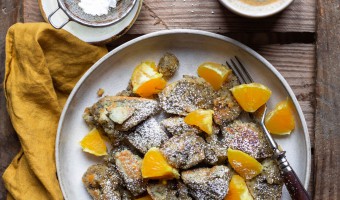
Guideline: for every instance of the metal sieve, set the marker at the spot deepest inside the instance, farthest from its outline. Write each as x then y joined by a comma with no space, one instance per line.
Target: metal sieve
72,12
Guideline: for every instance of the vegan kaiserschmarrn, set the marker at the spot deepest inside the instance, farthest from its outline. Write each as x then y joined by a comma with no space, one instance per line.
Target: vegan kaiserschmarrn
160,147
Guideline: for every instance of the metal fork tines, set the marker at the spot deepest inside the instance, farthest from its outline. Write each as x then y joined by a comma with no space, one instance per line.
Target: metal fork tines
292,182
245,78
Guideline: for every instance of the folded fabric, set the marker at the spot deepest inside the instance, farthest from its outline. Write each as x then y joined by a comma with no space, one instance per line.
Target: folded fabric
42,66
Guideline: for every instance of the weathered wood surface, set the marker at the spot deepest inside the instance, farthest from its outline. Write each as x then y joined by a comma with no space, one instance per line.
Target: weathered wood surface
327,126
206,15
295,61
9,144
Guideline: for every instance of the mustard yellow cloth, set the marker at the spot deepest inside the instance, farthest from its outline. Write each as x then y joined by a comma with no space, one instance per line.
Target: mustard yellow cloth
42,67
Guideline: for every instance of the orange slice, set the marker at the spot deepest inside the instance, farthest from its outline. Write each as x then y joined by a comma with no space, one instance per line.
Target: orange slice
201,118
213,73
147,197
281,120
245,165
93,143
238,189
146,81
155,166
251,96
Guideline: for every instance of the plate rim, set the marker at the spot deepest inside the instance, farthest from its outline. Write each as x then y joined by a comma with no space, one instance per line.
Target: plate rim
195,32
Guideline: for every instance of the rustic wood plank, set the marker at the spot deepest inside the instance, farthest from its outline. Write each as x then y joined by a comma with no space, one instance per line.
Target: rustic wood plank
299,17
212,16
327,126
9,143
250,39
31,11
207,15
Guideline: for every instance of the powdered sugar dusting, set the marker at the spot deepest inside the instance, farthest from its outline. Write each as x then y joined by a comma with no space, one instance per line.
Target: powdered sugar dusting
187,95
147,135
208,183
97,7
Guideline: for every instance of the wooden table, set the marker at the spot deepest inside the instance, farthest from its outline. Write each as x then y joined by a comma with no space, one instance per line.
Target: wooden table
303,43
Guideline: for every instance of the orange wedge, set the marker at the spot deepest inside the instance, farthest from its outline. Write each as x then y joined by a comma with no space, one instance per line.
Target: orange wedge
213,73
147,197
201,118
155,166
245,165
146,80
93,143
251,96
238,189
281,120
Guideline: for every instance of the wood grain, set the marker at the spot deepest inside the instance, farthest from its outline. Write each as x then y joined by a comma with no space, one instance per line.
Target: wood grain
207,15
296,62
327,126
31,11
9,143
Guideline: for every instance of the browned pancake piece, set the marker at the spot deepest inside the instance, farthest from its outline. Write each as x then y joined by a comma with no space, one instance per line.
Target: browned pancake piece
208,183
271,171
147,135
103,182
168,65
177,126
114,135
260,189
101,111
246,137
128,165
187,95
216,150
88,118
226,109
184,151
172,190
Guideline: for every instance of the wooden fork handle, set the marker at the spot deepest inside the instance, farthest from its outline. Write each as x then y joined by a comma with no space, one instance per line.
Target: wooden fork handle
294,186
291,180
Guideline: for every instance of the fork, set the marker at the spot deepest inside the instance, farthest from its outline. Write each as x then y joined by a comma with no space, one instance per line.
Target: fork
291,180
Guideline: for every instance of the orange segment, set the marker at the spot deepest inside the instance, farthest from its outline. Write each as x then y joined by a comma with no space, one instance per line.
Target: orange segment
281,120
251,96
202,119
147,197
238,189
213,73
146,81
93,143
150,87
245,165
155,166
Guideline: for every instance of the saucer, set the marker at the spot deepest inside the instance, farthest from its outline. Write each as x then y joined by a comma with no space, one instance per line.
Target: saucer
98,35
247,8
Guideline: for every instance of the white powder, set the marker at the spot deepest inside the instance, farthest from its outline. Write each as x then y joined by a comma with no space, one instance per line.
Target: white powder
97,7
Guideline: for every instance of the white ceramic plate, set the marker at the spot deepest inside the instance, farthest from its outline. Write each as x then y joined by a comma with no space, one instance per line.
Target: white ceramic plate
91,34
247,10
113,71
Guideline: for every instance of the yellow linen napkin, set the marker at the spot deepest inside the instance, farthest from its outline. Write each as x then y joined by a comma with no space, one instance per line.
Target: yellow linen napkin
42,66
